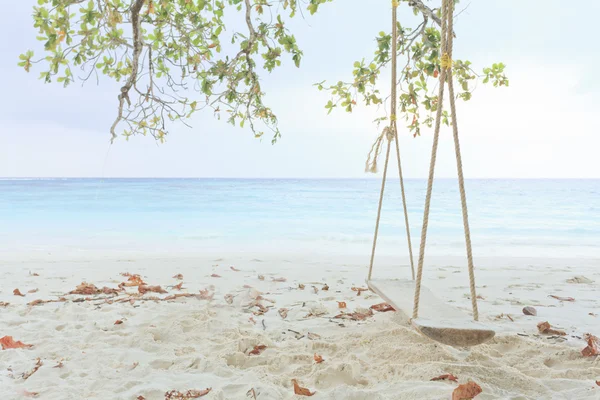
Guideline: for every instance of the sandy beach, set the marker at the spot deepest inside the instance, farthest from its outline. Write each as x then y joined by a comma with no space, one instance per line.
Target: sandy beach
205,341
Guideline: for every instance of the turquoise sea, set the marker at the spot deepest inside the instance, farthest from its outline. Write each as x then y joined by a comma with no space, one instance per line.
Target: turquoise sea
536,218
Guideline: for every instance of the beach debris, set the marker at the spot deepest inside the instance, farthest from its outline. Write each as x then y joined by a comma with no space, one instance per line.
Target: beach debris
313,336
134,365
257,350
382,307
37,366
264,325
318,358
33,290
297,334
301,286
529,311
252,393
178,276
206,295
591,314
315,289
34,274
466,391
545,327
190,394
142,289
7,342
359,290
355,316
17,292
228,298
4,304
444,377
140,397
300,390
251,319
593,346
215,276
60,364
325,288
342,304
133,280
234,269
27,393
562,298
118,322
579,279
279,279
283,313
598,383
261,278
179,286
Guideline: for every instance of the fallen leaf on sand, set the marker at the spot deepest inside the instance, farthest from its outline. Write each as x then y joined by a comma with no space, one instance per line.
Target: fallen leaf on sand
382,307
17,292
355,316
279,279
206,295
325,288
234,269
257,350
34,274
251,319
33,291
545,327
7,342
466,391
593,347
4,304
59,365
140,398
359,290
529,311
134,280
562,298
283,312
300,390
37,366
444,377
190,394
229,298
118,322
147,288
318,358
341,304
301,286
179,286
215,276
261,277
178,276
27,393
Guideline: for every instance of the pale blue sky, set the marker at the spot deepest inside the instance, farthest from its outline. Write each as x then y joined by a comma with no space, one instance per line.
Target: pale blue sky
543,125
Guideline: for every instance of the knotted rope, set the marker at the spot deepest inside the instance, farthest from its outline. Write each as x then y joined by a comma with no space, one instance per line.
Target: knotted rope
446,77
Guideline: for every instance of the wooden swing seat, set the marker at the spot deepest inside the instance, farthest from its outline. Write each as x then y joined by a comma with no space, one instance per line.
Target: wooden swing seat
444,323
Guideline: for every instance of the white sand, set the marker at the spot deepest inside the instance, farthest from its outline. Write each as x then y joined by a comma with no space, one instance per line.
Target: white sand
194,344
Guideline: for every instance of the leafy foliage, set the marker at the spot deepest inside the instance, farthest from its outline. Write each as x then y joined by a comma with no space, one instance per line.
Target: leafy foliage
173,59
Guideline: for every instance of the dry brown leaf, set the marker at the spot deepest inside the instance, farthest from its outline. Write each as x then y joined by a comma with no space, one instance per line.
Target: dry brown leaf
140,398
118,322
59,365
562,298
598,383
355,316
257,350
382,307
36,302
7,342
251,319
593,347
300,390
359,290
229,298
234,269
466,391
178,286
279,279
37,366
107,290
17,292
283,312
134,280
27,393
34,274
325,288
444,377
4,304
215,276
33,290
190,394
261,277
318,358
545,327
342,304
178,276
206,295
142,289
301,286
